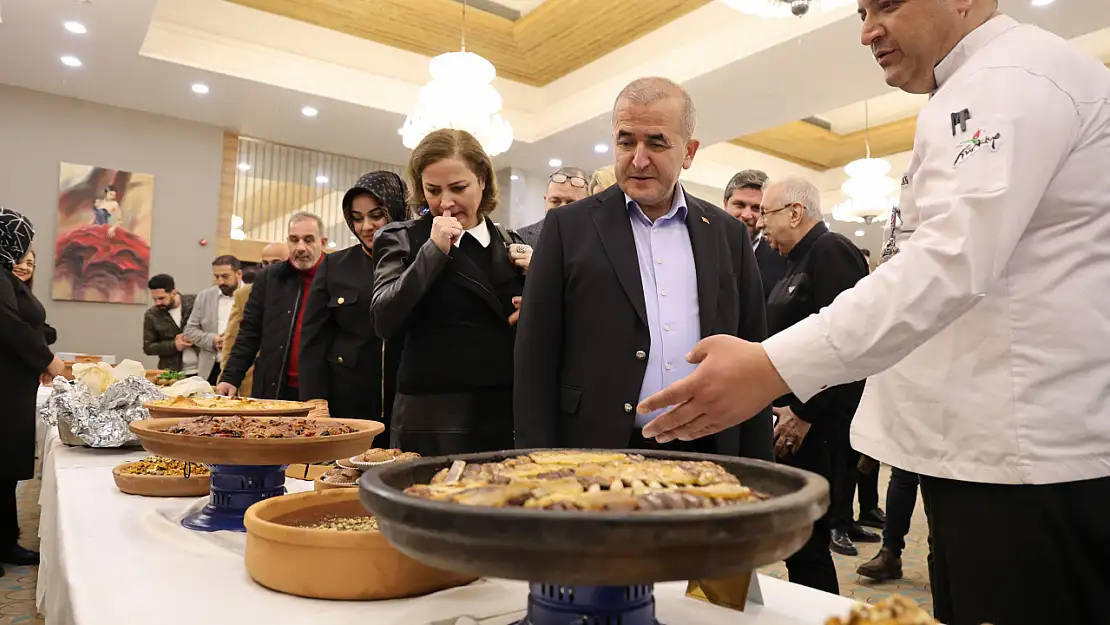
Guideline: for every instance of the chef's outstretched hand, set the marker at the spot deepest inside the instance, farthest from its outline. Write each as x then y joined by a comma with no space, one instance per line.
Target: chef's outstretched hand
733,381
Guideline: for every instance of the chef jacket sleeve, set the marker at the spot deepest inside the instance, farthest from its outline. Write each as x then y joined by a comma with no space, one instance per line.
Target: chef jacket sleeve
973,211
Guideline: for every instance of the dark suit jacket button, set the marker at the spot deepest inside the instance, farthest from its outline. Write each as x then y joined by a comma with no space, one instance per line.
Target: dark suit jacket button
641,355
339,301
339,360
628,408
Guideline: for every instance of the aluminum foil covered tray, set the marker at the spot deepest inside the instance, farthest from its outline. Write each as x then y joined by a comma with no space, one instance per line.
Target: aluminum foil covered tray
597,548
99,421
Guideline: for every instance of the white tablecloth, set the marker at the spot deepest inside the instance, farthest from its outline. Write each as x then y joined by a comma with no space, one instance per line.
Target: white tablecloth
115,559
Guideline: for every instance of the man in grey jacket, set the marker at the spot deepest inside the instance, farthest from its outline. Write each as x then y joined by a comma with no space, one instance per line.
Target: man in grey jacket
565,186
211,311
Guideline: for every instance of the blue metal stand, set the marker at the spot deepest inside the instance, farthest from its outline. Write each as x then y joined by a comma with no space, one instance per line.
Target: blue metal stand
552,604
234,489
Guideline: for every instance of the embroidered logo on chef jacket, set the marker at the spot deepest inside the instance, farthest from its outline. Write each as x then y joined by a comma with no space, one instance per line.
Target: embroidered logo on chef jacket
972,145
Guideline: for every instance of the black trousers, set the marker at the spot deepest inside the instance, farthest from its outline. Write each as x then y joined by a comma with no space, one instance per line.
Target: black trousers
867,487
214,375
9,520
812,565
1019,555
901,499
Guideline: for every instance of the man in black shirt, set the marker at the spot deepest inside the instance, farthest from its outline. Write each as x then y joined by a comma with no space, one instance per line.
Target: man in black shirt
813,435
743,197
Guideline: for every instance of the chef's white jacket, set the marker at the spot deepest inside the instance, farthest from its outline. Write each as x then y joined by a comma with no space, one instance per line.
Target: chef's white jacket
991,325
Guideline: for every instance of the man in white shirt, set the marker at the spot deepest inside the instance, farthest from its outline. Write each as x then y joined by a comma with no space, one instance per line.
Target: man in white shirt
211,312
987,325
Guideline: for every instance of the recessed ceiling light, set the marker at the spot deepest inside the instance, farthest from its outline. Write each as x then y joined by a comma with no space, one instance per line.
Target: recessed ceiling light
601,148
555,162
514,177
860,233
76,28
244,167
308,111
200,88
1042,3
71,61
322,179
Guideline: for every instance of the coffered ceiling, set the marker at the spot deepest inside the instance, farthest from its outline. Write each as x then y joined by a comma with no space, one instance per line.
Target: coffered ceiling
550,40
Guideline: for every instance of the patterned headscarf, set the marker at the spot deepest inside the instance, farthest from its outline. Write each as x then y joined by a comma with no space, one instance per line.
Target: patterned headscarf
16,234
388,190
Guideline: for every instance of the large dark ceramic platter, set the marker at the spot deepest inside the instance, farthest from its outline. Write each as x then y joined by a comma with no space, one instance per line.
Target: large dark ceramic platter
597,548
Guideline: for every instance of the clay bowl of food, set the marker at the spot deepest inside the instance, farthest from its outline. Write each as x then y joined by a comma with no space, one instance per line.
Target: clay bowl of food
255,440
223,406
324,545
162,477
594,517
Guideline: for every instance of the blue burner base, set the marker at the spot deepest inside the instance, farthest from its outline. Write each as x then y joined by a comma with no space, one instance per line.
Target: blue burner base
552,604
234,489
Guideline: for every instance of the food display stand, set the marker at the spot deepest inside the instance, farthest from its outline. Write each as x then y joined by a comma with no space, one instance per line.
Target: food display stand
597,567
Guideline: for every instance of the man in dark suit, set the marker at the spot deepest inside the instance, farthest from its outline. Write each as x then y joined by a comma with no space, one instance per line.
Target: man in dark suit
624,283
566,186
743,199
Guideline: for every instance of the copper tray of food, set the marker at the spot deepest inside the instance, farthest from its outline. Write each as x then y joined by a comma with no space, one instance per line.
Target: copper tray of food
162,477
665,516
255,440
197,406
324,545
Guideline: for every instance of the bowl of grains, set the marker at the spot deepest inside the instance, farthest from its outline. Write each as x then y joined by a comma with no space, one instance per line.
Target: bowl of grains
155,476
324,545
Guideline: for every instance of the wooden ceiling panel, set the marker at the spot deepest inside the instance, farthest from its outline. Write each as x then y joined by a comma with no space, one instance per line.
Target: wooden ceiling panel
812,146
548,43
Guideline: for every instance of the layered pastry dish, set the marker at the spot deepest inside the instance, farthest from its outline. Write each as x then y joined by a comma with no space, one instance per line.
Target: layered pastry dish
257,427
157,465
587,480
893,610
225,403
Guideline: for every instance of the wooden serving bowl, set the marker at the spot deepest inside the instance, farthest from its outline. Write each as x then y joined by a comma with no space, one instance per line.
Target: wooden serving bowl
320,484
161,485
326,564
255,451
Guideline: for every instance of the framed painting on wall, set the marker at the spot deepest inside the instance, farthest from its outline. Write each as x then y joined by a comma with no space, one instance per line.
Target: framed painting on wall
102,241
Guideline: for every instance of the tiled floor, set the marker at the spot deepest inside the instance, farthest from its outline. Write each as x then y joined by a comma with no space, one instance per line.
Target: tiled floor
915,581
17,587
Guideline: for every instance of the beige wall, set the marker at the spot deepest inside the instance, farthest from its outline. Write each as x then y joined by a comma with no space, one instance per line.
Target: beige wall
37,131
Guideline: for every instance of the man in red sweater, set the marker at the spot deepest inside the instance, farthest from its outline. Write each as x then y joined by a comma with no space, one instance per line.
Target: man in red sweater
272,317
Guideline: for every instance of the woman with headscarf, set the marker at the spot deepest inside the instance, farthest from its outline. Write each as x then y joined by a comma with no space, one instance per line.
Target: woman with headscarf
341,359
25,361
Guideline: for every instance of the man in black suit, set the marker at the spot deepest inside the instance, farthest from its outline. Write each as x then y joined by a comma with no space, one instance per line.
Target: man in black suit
624,283
743,199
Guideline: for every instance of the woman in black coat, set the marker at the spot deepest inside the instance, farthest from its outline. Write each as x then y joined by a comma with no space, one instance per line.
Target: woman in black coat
25,360
447,285
341,359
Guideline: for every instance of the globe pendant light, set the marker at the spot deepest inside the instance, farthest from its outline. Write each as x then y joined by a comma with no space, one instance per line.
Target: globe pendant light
869,189
460,95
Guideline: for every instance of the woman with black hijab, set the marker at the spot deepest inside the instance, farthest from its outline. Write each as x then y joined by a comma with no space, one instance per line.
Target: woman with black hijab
25,360
341,359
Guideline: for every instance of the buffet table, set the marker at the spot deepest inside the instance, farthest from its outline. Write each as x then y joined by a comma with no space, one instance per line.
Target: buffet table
115,559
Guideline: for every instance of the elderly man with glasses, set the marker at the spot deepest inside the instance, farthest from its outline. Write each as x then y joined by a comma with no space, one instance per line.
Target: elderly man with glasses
565,186
813,435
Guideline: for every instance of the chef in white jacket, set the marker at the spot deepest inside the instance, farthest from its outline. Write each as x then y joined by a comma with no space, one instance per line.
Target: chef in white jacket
986,334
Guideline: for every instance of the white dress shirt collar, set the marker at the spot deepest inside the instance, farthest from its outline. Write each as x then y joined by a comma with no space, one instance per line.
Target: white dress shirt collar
479,232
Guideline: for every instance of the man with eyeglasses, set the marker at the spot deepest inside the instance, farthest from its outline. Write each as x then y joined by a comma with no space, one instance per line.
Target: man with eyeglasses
565,186
272,254
743,197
